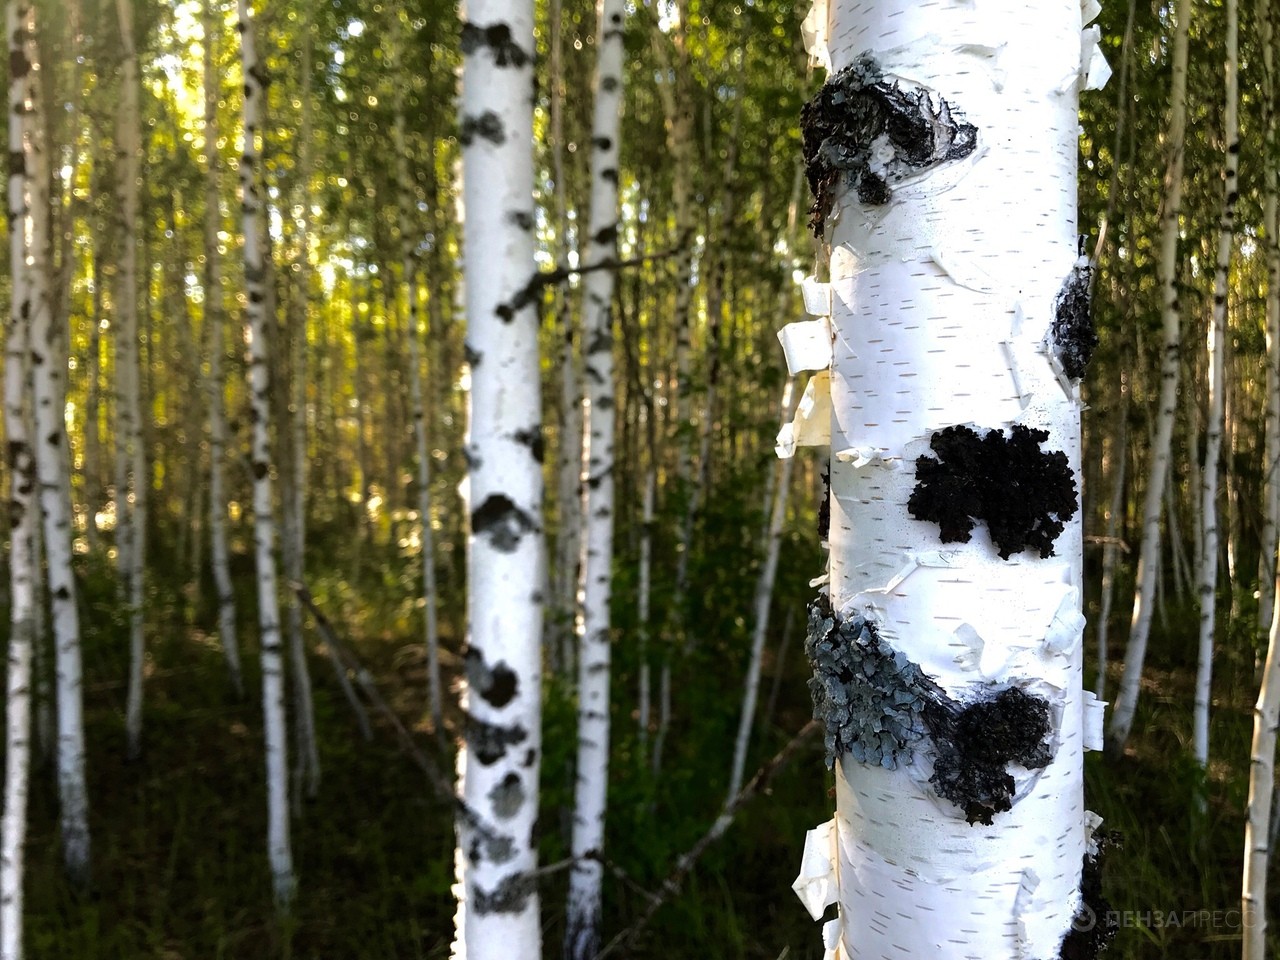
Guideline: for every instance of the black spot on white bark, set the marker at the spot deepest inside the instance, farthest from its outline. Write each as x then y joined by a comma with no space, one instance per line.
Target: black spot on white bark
502,522
507,796
497,37
497,685
1024,494
1072,333
531,437
486,126
488,742
1095,924
509,896
865,132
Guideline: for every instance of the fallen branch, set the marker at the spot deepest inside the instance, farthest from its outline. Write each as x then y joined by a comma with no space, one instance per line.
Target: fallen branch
671,885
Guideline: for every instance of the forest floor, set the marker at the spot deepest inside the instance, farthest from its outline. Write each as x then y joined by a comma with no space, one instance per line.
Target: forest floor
179,868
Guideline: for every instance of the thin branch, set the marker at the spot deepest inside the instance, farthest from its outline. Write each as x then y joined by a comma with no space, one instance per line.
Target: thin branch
671,885
532,290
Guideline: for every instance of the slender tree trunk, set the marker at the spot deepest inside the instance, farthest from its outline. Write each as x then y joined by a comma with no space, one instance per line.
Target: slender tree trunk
498,764
1111,544
214,323
943,848
409,269
1215,350
23,508
1271,247
49,371
764,600
279,851
307,772
582,935
1140,628
1262,759
129,151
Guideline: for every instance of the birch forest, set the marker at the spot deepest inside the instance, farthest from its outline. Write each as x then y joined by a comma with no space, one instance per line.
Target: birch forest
641,478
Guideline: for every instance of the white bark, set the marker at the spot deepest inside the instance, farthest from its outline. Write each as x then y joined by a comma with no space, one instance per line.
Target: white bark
1216,349
498,764
24,568
1262,759
217,345
128,157
645,699
294,483
1140,628
1111,546
764,600
582,935
49,371
408,260
279,851
944,300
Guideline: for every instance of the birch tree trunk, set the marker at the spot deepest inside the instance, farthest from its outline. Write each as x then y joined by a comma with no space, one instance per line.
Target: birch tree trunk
24,511
279,851
129,151
1148,554
582,934
1215,349
498,764
48,371
217,345
1271,246
1262,761
409,264
947,650
764,600
306,772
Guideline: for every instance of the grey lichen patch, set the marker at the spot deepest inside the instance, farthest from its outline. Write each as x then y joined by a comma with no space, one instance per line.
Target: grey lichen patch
866,133
502,521
497,684
507,796
509,896
870,697
881,708
1071,332
497,37
486,126
974,745
488,742
1025,495
496,847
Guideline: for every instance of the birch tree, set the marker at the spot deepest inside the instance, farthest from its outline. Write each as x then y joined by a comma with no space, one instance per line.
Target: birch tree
408,267
279,850
1258,811
1271,246
498,764
24,566
131,497
217,345
48,361
1215,349
1149,552
947,642
582,935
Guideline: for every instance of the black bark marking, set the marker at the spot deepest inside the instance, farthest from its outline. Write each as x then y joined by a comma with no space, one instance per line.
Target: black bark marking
824,505
497,684
532,438
1072,333
858,113
881,709
1024,494
489,741
260,470
522,219
497,37
503,521
601,143
472,355
507,796
976,743
1095,925
509,896
606,236
487,126
608,84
